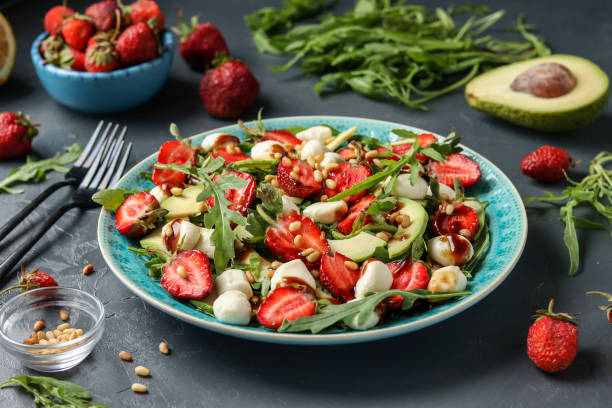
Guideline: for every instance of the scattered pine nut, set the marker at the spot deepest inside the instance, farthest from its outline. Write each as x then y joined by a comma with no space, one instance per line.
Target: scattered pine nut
182,272
63,326
323,198
450,209
43,342
330,183
202,206
324,173
311,161
298,240
319,158
371,154
286,161
351,265
125,356
56,332
295,176
307,251
268,177
274,183
163,348
318,176
406,221
139,388
63,314
142,371
53,341
331,166
464,232
39,325
384,235
88,269
378,163
278,155
313,257
293,227
270,273
276,264
254,300
315,273
329,140
249,276
50,335
176,191
41,336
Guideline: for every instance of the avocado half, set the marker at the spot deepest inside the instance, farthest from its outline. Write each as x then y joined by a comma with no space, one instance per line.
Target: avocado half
491,93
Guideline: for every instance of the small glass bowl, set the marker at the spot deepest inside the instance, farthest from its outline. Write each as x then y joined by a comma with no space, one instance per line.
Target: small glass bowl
19,314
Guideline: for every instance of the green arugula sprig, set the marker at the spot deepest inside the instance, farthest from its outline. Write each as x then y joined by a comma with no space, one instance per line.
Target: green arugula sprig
36,170
155,263
220,217
265,213
111,199
594,189
52,393
332,314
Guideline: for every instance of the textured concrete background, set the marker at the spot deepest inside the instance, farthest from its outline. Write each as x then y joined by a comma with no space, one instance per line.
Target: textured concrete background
474,359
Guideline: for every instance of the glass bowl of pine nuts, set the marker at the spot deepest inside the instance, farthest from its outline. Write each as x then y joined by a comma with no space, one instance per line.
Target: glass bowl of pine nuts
51,329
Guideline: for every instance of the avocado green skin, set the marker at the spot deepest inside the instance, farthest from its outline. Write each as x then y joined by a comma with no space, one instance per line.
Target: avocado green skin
562,121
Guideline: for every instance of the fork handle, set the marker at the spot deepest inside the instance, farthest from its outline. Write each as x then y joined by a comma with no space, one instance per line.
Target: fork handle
21,215
9,263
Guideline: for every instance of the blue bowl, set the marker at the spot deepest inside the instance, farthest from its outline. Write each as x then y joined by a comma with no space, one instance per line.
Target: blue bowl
105,92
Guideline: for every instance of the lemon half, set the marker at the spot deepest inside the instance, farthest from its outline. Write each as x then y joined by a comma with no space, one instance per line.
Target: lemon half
8,49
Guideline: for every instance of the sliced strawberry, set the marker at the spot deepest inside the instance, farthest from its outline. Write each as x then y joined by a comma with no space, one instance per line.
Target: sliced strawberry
456,166
285,303
348,154
242,198
137,215
282,136
188,276
425,140
346,176
281,240
173,152
230,157
346,226
407,275
463,221
338,278
305,186
383,155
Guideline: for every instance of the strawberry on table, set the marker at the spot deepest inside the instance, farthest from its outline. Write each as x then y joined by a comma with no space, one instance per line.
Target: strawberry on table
103,14
296,178
200,43
229,89
188,275
173,152
407,275
282,240
339,274
144,11
552,341
16,133
463,221
346,226
76,31
242,198
547,163
55,17
136,44
456,165
138,215
285,303
101,57
31,280
345,177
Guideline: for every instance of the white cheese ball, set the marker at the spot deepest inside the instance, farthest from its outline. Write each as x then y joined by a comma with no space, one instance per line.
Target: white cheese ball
187,234
233,279
232,307
447,279
326,212
205,244
450,249
404,188
376,277
371,321
159,194
289,205
293,271
446,193
320,133
313,148
331,157
265,150
210,141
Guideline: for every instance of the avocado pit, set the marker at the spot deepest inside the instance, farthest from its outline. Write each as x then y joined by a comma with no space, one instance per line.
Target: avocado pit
547,80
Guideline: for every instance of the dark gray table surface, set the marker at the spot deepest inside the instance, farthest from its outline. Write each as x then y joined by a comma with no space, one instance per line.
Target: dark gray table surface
474,359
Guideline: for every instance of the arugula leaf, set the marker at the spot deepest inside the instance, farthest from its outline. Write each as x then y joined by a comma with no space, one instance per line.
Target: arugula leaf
155,263
270,198
111,199
203,307
34,171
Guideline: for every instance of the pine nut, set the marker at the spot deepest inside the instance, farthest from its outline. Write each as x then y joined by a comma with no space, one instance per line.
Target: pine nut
371,154
354,161
53,341
286,161
393,217
29,342
163,348
298,240
351,265
331,166
293,227
270,273
249,276
269,177
176,191
274,183
276,264
318,176
50,335
406,221
73,336
278,155
311,161
56,332
39,325
79,332
63,326
88,269
314,273
142,371
62,338
450,209
139,388
314,257
288,146
33,336
203,207
323,198
307,252
464,232
378,163
296,169
330,183
319,158
322,235
384,235
41,336
182,272
63,314
43,342
295,176
125,356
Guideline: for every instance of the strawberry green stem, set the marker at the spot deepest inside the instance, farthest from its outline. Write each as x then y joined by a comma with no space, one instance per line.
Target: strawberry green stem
604,294
12,287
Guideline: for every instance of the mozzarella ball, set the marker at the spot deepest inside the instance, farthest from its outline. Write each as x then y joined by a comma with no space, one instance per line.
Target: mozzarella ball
352,321
320,133
186,235
326,212
205,244
447,279
331,157
159,194
265,150
446,193
289,206
313,148
233,279
232,307
293,272
376,277
404,188
210,141
450,249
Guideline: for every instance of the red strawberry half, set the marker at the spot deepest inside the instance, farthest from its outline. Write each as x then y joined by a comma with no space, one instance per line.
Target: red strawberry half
173,152
138,215
230,157
188,276
345,177
282,242
242,198
304,186
338,278
463,221
456,166
407,275
346,226
285,303
55,17
548,163
282,136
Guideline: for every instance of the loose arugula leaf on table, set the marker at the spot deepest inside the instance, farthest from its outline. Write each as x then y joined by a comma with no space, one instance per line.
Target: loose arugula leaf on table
594,189
332,314
36,170
52,393
111,199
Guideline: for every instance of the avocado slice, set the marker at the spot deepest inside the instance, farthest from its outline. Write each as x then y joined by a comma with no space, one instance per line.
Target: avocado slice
358,248
153,241
183,205
404,237
479,208
492,93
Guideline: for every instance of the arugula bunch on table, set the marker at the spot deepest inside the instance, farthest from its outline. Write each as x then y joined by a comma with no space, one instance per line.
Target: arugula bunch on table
390,50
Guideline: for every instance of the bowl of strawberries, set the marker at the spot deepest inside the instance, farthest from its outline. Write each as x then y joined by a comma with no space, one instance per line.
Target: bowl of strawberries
109,59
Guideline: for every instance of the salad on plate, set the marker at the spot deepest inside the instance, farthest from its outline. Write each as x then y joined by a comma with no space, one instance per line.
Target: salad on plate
307,229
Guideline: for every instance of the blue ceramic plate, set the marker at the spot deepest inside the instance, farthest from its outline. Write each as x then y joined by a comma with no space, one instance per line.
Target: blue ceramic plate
507,224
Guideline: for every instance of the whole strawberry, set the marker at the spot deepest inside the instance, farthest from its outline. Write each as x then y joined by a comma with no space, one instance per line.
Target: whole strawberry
102,14
144,11
136,44
16,133
76,32
200,43
548,163
50,49
552,341
101,57
55,17
32,280
72,59
229,89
